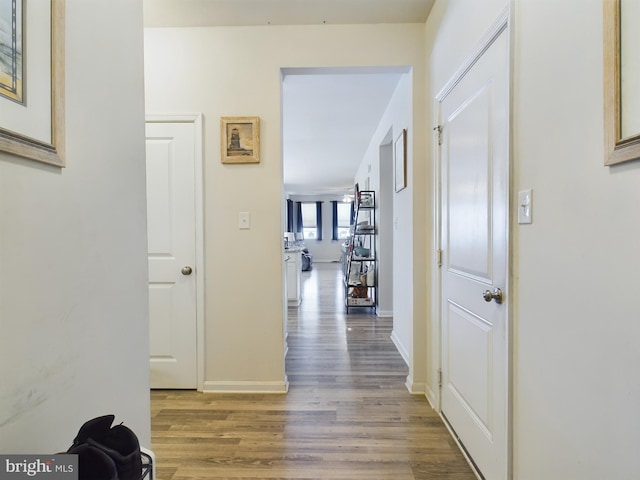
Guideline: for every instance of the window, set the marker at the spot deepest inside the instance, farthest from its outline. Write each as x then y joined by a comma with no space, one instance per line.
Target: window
312,220
342,213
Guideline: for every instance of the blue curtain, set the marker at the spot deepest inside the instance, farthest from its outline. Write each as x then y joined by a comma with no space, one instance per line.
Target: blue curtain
289,215
319,219
298,217
334,221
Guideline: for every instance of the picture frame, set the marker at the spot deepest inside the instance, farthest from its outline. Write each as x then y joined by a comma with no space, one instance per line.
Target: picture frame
33,127
400,161
622,137
240,140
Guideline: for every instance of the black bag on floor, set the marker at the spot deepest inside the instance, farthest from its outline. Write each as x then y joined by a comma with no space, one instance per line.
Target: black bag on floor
106,452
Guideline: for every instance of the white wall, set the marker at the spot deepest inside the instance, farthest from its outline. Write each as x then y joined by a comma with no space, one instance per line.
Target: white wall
397,117
574,298
237,71
588,253
73,268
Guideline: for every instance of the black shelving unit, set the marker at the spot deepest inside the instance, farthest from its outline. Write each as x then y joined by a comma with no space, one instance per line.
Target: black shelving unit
359,268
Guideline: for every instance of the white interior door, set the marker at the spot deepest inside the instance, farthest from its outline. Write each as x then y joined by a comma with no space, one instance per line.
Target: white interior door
475,173
171,225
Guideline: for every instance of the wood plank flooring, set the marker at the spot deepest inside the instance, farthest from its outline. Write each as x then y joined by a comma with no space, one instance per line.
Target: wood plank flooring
347,415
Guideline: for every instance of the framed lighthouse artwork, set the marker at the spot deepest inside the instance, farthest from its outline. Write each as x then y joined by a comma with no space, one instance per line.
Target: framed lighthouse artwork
240,139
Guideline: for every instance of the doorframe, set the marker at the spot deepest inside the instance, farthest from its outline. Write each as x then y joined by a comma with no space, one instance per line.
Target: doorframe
385,238
502,24
198,191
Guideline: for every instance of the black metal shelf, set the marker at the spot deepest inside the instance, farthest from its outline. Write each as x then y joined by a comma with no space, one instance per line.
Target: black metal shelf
358,293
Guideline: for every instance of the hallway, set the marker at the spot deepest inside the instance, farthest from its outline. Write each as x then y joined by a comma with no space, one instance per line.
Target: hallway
347,415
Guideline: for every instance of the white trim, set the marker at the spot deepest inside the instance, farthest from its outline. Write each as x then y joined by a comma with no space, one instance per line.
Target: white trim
246,387
501,23
384,313
196,119
461,447
401,350
433,390
432,397
414,387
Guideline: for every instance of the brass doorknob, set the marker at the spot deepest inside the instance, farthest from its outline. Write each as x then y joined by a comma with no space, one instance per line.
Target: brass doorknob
187,270
495,295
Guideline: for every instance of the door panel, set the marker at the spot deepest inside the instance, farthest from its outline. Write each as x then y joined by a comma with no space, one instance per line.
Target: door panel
469,379
171,246
475,159
469,233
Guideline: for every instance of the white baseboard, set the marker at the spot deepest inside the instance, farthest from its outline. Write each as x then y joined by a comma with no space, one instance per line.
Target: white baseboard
403,352
414,387
384,313
432,398
246,387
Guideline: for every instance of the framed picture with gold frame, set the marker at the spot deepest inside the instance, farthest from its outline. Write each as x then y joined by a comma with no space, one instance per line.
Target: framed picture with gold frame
621,77
32,83
240,139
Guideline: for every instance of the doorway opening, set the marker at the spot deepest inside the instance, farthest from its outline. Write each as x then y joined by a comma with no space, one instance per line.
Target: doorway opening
338,129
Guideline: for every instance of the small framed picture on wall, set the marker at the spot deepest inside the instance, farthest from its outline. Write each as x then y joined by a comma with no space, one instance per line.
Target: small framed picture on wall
400,159
240,140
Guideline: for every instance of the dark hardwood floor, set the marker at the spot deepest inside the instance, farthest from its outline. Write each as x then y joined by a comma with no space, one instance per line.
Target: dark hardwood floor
348,414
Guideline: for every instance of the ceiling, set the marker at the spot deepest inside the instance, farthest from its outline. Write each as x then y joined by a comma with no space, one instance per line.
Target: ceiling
200,13
329,115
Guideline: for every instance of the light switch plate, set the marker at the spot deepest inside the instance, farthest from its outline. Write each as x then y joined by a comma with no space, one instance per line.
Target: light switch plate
244,221
525,205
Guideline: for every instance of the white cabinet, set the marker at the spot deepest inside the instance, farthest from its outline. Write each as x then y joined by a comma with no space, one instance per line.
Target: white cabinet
294,270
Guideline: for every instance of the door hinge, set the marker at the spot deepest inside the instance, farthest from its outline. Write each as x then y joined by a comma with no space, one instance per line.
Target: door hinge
439,256
440,377
438,129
